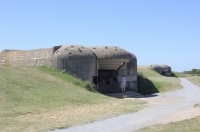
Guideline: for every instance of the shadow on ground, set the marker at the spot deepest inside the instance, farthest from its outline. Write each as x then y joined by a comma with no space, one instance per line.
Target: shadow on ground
145,86
130,94
146,89
172,75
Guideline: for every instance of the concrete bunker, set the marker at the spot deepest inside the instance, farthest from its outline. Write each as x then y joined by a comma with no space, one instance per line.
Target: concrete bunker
103,66
76,60
166,70
162,69
157,68
112,63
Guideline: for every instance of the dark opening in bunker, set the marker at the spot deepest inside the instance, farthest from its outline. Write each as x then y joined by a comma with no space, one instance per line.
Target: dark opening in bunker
107,81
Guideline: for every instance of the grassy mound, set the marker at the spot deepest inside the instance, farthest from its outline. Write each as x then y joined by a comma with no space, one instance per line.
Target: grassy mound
149,81
40,99
145,86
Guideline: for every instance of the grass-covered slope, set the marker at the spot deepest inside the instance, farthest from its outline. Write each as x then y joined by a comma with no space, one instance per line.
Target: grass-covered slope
39,99
194,79
157,82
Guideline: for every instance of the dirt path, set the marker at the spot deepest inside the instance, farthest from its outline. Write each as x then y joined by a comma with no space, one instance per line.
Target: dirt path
164,108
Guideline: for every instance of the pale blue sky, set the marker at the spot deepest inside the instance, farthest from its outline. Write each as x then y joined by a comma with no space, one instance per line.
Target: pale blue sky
156,31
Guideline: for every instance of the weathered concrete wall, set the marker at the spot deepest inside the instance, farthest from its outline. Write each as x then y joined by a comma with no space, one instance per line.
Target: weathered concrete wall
166,70
38,57
132,73
157,68
110,57
76,60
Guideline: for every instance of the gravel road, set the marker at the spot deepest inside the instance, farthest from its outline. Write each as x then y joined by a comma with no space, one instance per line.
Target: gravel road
164,108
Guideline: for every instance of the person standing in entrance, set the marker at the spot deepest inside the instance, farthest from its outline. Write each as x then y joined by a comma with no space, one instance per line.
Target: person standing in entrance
123,84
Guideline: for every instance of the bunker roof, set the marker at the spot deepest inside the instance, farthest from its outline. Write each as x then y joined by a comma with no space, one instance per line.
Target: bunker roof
112,52
165,66
156,66
73,50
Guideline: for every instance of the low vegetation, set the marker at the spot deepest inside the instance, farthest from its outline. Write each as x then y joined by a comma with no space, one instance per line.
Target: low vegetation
181,75
193,72
194,79
149,81
196,105
40,99
192,76
190,125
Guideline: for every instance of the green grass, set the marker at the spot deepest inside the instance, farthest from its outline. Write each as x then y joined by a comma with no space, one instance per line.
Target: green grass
194,79
161,83
191,77
67,77
190,125
40,99
181,75
196,105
